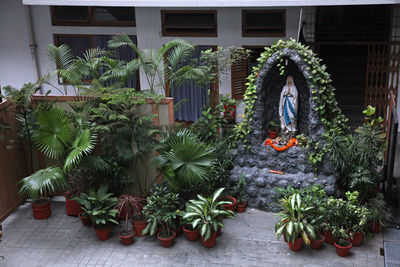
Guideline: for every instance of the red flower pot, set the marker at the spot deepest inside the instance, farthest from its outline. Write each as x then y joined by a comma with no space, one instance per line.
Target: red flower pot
72,207
317,244
103,233
328,237
229,199
166,241
241,206
342,251
209,243
192,235
138,225
41,209
85,220
375,227
297,245
179,230
126,239
272,133
357,239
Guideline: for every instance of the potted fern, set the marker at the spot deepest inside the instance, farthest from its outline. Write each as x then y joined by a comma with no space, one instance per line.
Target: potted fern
204,214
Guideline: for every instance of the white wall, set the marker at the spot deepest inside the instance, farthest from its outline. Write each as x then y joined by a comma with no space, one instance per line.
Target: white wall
15,60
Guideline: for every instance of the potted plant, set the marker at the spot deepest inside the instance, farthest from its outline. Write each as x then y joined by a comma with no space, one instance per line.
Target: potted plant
192,234
203,214
82,199
379,214
293,223
127,204
161,211
239,194
273,129
39,186
342,242
85,218
100,208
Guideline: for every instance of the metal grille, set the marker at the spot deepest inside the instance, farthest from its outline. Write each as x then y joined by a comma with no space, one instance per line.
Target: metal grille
392,254
391,234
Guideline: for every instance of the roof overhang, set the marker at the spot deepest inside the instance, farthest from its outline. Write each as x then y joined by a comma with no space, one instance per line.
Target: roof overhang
208,3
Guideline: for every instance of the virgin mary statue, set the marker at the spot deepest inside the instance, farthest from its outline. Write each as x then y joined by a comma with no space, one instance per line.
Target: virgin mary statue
288,108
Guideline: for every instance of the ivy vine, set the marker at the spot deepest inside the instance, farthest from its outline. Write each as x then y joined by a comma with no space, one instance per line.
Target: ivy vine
323,94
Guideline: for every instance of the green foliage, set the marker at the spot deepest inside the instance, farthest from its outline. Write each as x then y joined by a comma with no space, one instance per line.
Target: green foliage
378,210
203,213
43,183
184,161
293,222
161,210
99,206
358,157
322,92
239,189
341,237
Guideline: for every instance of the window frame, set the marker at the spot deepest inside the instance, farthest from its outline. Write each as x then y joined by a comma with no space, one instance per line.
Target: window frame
245,13
91,21
188,34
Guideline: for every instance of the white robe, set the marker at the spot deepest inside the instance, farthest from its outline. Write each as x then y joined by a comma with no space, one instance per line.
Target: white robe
292,126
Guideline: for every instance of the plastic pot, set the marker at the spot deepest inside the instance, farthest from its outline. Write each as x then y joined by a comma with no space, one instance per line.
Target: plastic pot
166,241
85,219
297,245
209,243
41,209
192,235
328,237
342,251
241,206
127,239
72,207
138,224
317,244
230,206
103,233
272,133
357,239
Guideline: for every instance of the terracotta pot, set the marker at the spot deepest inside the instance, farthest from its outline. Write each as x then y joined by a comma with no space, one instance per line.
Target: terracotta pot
166,241
85,219
230,199
328,237
357,239
72,207
192,235
272,133
317,244
103,233
126,239
209,243
297,245
241,206
375,227
179,230
342,251
41,209
138,225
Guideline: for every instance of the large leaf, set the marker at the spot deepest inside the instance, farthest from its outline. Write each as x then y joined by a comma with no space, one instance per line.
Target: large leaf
43,182
82,145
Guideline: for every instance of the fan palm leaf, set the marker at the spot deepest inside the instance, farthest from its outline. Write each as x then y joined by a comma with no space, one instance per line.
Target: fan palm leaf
54,133
83,144
43,182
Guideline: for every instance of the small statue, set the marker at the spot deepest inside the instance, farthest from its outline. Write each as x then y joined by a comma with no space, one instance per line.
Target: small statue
288,109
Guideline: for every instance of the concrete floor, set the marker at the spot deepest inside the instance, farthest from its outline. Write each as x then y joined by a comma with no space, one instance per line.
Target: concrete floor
248,240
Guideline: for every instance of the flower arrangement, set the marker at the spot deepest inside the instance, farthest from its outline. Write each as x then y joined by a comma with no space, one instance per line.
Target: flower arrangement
272,143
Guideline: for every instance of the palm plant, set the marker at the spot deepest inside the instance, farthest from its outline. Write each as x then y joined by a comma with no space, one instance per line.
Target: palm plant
154,63
293,222
184,160
204,213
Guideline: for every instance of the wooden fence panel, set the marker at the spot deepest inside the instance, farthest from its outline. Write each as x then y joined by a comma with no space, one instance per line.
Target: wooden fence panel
12,162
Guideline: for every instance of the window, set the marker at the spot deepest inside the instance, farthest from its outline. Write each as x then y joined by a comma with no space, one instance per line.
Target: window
189,23
242,69
92,16
79,43
263,23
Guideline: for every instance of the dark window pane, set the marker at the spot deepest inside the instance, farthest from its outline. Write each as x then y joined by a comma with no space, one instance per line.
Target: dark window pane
71,13
114,14
189,23
264,23
78,43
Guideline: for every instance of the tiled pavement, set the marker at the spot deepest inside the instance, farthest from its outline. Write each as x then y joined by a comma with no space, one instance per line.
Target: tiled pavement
248,240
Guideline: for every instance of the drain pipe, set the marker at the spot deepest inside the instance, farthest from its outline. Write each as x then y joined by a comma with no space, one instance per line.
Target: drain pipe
32,44
300,23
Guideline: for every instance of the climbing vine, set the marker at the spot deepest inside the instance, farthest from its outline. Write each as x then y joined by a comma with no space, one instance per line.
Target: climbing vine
323,94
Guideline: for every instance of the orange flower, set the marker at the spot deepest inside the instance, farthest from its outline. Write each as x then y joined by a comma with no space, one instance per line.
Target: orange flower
291,143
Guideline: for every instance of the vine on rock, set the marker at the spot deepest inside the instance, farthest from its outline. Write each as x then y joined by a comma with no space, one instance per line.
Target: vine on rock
323,94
